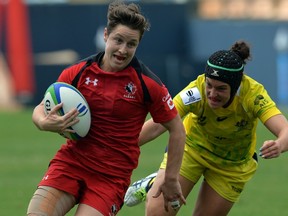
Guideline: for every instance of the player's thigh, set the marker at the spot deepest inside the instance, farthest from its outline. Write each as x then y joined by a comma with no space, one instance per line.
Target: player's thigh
50,201
86,210
155,206
210,203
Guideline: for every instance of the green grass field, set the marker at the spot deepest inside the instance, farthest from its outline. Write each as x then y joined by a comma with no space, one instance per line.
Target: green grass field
25,153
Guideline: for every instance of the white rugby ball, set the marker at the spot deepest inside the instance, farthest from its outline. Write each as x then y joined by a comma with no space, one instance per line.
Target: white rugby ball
72,98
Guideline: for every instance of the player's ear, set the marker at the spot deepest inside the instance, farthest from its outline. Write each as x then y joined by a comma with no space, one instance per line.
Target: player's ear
105,35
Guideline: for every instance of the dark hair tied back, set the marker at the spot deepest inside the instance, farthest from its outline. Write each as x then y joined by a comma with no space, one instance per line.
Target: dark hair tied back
242,49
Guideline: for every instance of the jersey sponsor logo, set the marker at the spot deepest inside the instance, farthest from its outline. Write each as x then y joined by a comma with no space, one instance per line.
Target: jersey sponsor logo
190,96
167,98
170,103
88,81
130,89
164,99
260,101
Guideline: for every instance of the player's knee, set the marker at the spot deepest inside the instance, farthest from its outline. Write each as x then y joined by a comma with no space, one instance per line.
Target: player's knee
38,205
48,201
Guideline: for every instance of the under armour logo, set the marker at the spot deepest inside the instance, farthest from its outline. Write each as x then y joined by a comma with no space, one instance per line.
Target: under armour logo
46,177
215,73
88,81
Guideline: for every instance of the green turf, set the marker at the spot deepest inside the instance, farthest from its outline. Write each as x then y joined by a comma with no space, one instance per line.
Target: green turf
25,153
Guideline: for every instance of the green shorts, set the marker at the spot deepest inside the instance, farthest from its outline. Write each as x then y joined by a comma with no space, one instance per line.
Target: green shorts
227,181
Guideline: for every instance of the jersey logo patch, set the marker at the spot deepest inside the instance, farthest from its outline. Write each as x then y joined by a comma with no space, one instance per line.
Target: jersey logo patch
190,96
130,89
88,81
169,101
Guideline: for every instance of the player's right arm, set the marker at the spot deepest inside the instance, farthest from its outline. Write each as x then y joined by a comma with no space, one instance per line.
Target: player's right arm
279,127
52,121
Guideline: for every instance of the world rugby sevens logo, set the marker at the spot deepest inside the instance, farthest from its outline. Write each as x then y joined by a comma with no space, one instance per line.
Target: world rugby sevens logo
82,109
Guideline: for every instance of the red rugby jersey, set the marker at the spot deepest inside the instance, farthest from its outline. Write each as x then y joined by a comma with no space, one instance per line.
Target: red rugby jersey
118,112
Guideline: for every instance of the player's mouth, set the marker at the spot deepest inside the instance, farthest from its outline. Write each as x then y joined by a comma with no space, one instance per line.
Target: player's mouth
214,102
120,59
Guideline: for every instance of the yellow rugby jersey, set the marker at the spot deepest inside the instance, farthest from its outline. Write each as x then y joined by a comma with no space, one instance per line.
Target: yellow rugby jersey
225,136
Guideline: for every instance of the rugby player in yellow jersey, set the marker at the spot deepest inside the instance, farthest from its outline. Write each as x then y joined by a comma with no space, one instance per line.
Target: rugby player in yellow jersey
220,111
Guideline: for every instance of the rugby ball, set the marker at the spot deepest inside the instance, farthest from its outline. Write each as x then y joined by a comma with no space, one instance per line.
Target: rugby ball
71,98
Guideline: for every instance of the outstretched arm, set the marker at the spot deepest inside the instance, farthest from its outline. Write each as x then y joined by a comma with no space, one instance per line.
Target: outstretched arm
170,188
278,125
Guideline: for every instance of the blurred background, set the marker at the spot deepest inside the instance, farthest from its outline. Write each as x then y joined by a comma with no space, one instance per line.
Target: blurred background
39,38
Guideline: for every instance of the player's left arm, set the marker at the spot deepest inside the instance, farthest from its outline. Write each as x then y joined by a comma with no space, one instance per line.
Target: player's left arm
171,188
278,125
